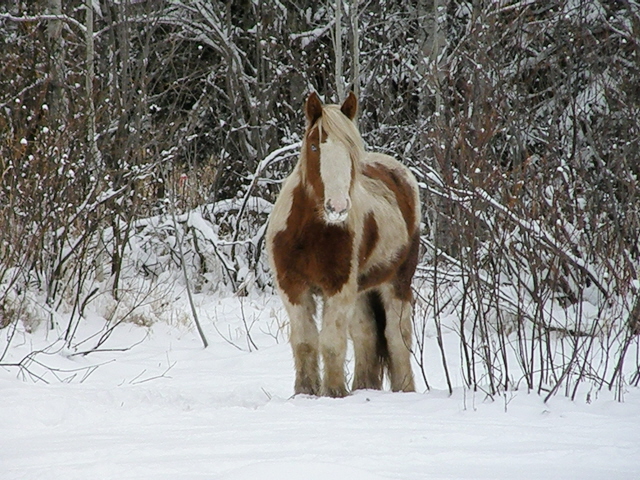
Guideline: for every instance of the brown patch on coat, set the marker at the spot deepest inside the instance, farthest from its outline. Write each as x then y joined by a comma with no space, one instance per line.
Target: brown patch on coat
400,187
382,272
312,160
376,275
404,274
370,237
399,271
310,254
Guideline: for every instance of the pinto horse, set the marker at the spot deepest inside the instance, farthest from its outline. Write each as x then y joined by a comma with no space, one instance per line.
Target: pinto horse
345,230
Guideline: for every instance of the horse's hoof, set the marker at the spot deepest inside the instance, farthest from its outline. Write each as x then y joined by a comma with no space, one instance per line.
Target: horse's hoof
307,388
336,392
367,383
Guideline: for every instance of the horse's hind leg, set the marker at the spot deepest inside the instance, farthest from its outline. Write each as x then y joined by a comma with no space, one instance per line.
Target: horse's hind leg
304,343
398,333
363,331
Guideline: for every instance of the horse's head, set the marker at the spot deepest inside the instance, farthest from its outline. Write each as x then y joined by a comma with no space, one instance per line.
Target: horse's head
332,148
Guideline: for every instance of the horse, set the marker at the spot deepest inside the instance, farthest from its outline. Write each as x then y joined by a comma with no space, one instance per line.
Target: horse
344,231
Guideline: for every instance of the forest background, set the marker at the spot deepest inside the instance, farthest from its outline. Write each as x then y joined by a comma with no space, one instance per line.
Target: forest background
142,143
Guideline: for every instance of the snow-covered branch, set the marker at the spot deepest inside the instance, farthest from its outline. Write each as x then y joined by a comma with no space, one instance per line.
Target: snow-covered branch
40,18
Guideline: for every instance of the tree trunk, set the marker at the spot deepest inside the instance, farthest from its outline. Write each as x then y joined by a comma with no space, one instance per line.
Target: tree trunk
338,52
437,46
93,152
355,51
58,99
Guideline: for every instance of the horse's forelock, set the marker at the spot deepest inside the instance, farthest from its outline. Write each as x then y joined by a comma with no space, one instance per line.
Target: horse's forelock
339,127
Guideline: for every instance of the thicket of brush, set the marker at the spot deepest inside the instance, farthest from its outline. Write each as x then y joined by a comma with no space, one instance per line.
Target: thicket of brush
132,128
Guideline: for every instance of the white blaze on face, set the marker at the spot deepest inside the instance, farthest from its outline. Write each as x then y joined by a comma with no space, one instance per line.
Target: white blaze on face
335,170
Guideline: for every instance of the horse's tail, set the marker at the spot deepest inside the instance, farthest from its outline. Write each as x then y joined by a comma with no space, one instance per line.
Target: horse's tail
380,320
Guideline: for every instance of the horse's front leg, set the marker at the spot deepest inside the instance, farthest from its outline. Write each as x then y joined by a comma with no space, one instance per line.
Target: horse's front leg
304,343
337,314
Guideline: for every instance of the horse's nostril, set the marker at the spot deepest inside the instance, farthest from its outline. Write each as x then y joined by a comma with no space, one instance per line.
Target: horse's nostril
340,207
329,208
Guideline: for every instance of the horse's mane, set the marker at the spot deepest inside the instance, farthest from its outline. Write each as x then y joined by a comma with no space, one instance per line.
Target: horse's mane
337,125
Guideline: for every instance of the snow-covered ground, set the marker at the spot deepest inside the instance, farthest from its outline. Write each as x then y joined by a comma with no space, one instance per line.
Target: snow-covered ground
168,409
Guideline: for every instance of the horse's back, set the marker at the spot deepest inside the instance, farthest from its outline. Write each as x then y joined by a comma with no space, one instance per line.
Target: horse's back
381,169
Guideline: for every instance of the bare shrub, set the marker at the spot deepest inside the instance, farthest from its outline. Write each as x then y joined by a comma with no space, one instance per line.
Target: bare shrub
534,194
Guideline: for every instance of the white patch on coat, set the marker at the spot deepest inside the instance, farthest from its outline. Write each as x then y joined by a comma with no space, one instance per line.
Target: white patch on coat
335,171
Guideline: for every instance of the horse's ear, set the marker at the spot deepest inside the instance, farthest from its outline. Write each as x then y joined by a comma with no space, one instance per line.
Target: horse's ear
350,106
313,108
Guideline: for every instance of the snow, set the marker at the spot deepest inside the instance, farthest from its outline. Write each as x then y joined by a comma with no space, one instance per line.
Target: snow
165,408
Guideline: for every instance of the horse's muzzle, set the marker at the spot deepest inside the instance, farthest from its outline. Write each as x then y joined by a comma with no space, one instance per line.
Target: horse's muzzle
337,211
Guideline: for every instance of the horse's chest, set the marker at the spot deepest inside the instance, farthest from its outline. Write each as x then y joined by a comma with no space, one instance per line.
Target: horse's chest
311,254
323,251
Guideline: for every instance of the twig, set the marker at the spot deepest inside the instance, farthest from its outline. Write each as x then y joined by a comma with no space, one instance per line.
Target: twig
184,273
247,328
274,156
135,380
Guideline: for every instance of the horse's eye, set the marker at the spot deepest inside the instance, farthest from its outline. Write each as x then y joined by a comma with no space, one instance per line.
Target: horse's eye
314,148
